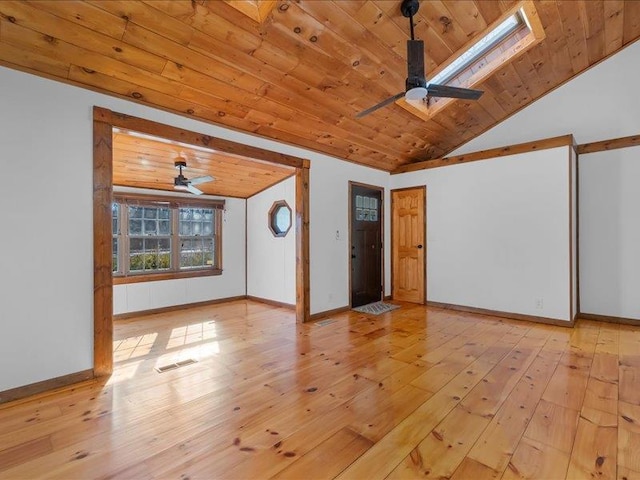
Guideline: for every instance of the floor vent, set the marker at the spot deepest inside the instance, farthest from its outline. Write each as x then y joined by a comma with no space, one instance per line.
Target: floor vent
322,323
173,366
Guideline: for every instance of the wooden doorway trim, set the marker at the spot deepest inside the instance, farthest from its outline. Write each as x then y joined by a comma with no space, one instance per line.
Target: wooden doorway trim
102,248
303,297
382,232
424,230
104,121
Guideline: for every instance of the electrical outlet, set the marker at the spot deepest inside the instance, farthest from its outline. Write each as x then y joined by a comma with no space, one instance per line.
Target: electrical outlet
539,303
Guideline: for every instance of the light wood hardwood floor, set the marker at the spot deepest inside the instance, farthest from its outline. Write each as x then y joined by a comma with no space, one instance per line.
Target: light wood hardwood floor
415,393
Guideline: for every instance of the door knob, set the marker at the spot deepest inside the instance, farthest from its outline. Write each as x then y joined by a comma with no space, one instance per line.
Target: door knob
419,246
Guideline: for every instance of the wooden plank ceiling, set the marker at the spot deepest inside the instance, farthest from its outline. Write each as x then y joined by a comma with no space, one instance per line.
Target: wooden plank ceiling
146,162
298,71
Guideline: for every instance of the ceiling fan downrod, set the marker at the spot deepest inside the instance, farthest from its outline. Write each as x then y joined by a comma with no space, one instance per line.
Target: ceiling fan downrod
409,8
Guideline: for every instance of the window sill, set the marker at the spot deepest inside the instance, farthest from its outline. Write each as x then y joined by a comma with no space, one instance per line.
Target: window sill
154,277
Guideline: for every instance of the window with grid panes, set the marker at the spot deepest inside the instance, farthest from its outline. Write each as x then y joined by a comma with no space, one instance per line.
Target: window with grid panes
165,236
197,239
149,230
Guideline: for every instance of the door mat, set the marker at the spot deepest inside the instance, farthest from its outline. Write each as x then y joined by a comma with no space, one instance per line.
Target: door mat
376,308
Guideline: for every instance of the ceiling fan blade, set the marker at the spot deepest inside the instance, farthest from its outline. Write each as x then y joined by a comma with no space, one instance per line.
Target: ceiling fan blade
415,60
197,180
194,190
380,105
453,92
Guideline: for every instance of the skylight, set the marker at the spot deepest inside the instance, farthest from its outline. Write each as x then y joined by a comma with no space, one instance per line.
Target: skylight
480,48
513,35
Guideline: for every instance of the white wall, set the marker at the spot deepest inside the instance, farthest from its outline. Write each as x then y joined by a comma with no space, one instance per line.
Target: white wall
271,261
498,233
46,249
329,213
134,297
46,266
610,233
599,104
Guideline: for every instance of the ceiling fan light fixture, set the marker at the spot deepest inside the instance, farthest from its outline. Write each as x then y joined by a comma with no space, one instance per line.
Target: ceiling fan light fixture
181,188
416,93
183,184
417,88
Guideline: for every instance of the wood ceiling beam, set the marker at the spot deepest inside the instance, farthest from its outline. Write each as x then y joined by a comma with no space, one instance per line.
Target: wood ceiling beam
486,154
185,136
612,144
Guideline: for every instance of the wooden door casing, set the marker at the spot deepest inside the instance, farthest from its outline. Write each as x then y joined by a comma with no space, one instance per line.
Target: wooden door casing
366,285
408,230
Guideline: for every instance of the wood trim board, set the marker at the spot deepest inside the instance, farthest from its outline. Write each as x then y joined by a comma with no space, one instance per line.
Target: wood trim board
488,154
46,386
329,313
608,319
176,134
611,144
497,313
173,308
303,299
273,303
102,248
155,277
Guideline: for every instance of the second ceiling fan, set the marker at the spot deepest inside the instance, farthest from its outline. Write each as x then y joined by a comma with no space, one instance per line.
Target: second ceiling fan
417,87
183,183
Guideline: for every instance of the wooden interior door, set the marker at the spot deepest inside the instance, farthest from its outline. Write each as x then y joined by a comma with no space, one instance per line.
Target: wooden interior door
408,228
366,244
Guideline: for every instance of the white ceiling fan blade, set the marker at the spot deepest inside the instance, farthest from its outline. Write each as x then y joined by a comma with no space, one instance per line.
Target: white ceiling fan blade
193,189
197,180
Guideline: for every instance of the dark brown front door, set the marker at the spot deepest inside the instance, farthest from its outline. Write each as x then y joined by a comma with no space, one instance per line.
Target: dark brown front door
366,245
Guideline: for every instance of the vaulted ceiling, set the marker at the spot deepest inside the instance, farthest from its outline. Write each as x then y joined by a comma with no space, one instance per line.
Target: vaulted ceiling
299,71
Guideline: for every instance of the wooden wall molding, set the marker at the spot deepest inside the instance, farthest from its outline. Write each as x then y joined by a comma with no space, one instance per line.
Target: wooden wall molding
273,303
173,308
102,248
608,319
303,293
611,144
497,313
488,154
156,277
329,313
176,134
47,386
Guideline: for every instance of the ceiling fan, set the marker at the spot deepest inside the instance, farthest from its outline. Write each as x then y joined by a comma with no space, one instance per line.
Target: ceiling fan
183,183
417,87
